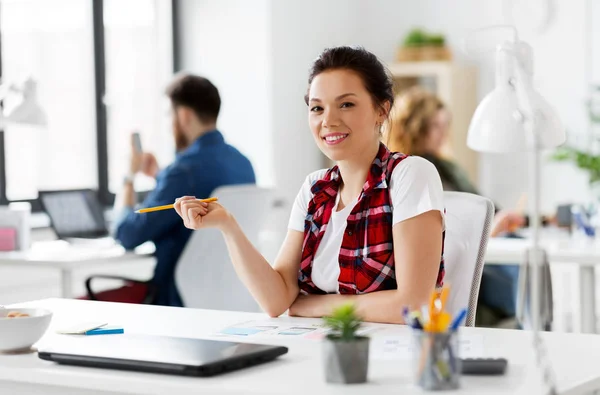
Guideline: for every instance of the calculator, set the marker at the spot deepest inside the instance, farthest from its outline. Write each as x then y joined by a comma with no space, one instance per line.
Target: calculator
483,366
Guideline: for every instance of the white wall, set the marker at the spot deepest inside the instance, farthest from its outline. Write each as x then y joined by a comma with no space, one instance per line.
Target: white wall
227,42
559,75
258,53
300,31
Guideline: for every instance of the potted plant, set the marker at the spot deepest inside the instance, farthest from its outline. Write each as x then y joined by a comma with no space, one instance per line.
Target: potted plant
346,355
419,45
591,164
584,160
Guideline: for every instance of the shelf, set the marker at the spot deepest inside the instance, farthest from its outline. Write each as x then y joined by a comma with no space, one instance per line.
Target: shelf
456,85
420,69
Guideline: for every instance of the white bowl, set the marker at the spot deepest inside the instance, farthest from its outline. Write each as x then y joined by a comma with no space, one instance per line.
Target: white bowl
22,332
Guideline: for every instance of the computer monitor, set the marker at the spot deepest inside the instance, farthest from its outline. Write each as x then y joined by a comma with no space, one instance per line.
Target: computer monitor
75,213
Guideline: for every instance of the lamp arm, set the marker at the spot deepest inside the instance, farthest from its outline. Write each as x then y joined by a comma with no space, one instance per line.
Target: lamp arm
523,87
531,272
474,47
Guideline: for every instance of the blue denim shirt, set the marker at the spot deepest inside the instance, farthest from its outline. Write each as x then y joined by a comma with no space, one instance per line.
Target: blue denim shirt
207,164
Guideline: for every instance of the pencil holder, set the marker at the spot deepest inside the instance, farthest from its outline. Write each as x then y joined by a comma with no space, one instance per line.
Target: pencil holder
436,360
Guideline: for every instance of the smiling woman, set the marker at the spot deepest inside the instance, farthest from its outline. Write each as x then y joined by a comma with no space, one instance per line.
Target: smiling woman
369,230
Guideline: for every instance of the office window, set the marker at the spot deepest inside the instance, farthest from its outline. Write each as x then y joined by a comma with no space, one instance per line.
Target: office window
51,41
139,64
101,67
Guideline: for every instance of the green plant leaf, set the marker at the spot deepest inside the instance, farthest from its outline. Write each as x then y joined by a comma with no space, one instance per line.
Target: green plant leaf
437,40
415,38
582,159
344,322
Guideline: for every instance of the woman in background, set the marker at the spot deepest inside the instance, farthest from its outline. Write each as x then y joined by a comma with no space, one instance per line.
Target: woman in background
419,126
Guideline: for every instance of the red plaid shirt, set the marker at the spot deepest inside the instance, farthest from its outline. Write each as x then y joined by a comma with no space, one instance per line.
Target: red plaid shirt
367,254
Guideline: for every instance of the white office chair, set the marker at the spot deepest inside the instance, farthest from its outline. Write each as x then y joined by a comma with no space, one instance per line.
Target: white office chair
468,224
205,275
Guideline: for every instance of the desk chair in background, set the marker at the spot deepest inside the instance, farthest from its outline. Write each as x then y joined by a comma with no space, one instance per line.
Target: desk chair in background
205,276
468,224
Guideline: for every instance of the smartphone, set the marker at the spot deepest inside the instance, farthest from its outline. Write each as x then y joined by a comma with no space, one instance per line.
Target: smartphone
137,142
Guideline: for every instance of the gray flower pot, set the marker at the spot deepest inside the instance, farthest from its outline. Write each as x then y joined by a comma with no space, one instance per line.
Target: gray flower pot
346,362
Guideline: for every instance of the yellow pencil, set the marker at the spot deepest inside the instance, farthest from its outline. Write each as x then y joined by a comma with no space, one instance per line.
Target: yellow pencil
170,206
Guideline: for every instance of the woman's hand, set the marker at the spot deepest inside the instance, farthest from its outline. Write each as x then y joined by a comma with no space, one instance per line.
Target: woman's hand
303,306
507,221
198,215
298,308
317,305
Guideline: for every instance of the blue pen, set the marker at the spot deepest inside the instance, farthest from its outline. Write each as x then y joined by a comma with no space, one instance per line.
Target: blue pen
105,330
410,319
405,316
416,323
458,319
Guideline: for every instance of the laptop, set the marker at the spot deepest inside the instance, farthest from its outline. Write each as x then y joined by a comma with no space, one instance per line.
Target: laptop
75,214
157,354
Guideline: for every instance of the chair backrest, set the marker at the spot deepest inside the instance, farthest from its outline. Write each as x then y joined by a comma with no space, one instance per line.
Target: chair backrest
205,275
468,224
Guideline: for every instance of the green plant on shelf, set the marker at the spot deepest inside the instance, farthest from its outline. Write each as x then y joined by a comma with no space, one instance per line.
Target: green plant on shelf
420,38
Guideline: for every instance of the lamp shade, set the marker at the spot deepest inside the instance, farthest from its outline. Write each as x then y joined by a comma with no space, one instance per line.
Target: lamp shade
497,124
20,105
28,112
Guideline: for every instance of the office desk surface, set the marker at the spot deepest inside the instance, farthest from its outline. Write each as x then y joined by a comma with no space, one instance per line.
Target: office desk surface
560,249
300,371
67,258
62,255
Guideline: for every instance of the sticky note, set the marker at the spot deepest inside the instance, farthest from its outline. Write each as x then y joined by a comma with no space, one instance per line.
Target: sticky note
241,331
81,328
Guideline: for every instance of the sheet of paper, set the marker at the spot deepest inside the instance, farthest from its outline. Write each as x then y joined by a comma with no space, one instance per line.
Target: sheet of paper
400,347
273,328
284,329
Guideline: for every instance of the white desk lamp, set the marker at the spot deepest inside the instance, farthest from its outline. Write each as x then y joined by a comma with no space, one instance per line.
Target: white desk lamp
20,104
515,118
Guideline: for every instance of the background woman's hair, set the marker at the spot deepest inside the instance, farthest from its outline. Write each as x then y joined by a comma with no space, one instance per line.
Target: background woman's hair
372,72
410,117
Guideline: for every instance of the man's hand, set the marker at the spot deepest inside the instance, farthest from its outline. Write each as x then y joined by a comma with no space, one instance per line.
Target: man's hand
149,165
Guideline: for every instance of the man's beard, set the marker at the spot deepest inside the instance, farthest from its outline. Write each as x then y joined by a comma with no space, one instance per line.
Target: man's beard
181,142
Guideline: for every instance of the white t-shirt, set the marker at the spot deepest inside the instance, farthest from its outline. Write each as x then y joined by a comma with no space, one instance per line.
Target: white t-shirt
415,188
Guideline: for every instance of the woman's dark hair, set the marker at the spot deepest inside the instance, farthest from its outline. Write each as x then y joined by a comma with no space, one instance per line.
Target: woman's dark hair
371,71
197,93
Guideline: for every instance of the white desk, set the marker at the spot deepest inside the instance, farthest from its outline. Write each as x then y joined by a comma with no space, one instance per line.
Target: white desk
560,249
67,257
299,372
